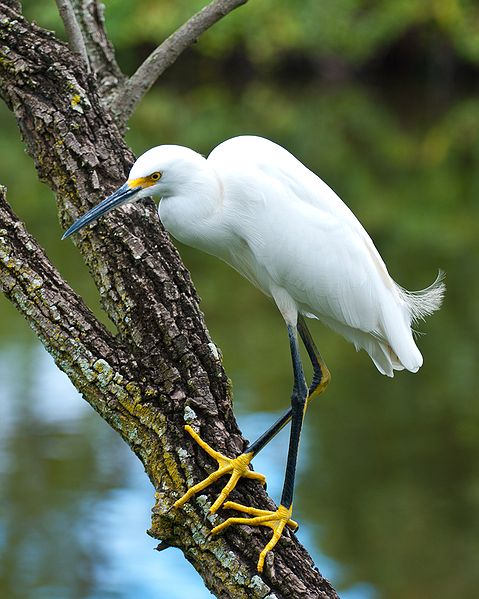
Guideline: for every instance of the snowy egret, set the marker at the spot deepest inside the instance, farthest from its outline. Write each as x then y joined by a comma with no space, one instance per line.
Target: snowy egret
255,206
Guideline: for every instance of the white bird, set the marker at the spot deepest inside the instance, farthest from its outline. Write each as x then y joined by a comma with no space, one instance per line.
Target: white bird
255,206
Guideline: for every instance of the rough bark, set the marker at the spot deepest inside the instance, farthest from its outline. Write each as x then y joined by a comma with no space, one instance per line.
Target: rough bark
72,28
100,51
161,370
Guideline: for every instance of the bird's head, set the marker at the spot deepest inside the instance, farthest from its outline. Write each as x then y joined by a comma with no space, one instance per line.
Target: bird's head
156,173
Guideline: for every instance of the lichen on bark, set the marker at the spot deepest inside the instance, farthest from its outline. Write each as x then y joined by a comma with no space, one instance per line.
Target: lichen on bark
161,369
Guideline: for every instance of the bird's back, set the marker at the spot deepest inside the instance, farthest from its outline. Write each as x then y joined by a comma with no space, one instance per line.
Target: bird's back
293,232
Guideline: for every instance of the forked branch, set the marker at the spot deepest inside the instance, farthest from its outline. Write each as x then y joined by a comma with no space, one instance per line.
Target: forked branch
73,31
128,97
99,49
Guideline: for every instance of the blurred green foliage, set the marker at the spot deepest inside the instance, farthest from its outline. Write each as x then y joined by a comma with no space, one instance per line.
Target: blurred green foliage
350,30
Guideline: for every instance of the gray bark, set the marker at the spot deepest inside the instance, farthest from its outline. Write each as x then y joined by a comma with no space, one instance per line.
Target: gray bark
72,28
160,370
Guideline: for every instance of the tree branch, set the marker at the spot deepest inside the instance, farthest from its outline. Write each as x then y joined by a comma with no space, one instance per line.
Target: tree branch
80,345
128,97
161,370
101,54
73,31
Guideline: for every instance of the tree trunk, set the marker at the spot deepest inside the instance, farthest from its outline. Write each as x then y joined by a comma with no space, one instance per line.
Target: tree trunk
161,370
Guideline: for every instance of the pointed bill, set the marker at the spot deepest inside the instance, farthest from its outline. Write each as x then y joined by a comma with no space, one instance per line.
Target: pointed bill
122,195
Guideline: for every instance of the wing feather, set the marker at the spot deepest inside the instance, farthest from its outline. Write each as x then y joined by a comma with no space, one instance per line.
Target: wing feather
301,237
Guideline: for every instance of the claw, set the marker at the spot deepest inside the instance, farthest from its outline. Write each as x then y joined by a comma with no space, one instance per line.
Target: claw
236,467
275,520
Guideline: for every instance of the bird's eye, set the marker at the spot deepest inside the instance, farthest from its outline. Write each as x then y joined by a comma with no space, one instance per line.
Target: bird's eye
155,176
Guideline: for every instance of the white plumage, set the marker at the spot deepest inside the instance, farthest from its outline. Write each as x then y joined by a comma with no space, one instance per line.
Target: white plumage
252,204
255,206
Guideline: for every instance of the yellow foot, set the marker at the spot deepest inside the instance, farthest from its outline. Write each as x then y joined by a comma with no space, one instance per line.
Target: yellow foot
276,520
238,467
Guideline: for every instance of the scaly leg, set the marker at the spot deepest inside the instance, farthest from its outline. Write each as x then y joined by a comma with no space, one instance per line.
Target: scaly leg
238,467
321,374
321,379
277,520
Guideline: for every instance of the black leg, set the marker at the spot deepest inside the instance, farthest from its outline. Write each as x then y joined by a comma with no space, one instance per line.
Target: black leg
278,519
321,374
298,403
321,378
266,437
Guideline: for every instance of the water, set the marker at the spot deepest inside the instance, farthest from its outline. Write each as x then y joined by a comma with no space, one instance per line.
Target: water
387,493
94,517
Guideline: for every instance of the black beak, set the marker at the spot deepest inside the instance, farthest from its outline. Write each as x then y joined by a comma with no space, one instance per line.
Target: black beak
120,196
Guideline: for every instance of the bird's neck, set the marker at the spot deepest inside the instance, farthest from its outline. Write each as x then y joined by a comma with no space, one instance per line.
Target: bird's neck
190,210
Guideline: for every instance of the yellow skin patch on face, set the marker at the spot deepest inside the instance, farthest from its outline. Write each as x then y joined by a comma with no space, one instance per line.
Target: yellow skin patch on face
144,182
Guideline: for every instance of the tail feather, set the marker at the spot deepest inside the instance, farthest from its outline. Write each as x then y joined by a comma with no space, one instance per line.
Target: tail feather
417,305
392,346
424,302
383,356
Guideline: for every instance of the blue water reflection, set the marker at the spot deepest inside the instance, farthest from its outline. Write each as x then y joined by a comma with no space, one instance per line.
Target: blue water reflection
86,532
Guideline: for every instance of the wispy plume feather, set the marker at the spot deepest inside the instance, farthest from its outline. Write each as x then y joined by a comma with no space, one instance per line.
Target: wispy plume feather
424,302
